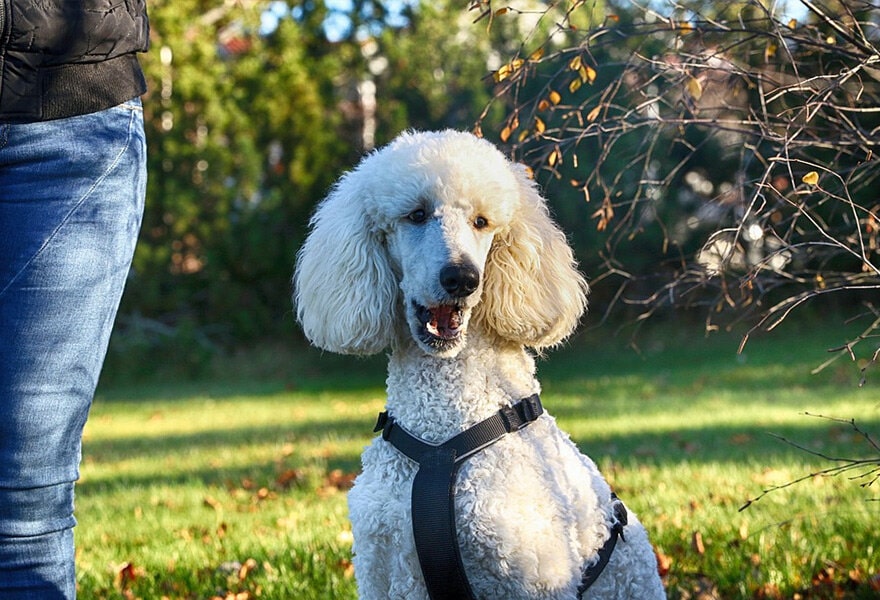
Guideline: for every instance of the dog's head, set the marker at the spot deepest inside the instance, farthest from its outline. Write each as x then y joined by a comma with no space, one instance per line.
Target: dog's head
427,236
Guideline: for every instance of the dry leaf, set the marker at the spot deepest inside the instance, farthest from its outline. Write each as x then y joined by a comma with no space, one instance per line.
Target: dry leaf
587,73
694,88
664,563
811,178
248,566
212,502
539,125
697,543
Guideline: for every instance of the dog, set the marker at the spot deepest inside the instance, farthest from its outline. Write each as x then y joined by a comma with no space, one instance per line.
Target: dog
440,249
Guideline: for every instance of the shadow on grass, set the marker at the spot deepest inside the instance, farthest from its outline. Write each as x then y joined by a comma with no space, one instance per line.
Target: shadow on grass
589,379
731,444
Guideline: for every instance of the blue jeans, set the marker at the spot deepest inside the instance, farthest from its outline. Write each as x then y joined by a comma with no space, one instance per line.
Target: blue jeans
71,202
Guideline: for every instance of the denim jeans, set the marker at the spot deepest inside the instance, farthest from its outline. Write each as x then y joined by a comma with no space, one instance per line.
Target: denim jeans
71,202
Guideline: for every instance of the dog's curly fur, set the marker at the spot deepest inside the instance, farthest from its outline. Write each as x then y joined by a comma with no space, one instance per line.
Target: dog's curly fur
440,248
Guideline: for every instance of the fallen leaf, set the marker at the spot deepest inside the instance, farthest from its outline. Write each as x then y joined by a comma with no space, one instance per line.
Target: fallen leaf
664,563
124,575
212,502
340,479
248,566
697,543
288,478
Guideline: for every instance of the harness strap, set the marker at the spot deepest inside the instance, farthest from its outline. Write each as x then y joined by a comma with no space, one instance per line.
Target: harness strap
433,507
591,574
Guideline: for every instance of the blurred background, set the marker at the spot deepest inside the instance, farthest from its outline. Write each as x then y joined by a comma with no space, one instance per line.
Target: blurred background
709,161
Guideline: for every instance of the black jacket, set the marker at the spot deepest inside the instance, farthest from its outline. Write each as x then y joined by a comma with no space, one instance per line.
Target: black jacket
61,58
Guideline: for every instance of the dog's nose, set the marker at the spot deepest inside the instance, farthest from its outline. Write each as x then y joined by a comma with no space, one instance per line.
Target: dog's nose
459,280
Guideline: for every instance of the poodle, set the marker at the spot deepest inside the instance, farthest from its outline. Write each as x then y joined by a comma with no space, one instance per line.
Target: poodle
439,248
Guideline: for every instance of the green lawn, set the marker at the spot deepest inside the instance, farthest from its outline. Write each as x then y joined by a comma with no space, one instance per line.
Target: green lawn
234,487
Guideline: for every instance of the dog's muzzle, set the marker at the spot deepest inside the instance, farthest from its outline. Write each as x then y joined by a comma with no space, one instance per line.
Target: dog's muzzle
440,325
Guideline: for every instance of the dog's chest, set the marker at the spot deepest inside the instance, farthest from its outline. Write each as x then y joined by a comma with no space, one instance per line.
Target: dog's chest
522,506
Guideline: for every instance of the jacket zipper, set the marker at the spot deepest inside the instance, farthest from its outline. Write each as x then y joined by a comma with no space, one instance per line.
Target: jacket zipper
2,24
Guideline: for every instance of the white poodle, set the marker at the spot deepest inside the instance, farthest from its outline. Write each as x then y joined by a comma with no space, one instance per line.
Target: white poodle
440,248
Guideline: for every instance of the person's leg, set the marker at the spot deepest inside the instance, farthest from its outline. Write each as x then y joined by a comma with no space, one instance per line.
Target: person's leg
71,201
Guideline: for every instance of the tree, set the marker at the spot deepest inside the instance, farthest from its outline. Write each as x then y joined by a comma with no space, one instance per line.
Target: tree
254,108
737,143
242,139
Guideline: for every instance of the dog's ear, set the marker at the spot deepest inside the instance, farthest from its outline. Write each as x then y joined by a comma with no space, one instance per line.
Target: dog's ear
345,291
533,292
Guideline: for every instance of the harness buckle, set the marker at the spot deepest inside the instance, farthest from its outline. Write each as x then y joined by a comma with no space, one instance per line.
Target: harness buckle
512,420
532,408
384,424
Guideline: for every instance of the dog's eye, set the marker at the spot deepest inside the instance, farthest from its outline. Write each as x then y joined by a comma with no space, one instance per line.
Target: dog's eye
417,216
481,222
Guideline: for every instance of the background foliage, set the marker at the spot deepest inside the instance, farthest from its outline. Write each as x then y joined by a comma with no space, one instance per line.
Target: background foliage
663,135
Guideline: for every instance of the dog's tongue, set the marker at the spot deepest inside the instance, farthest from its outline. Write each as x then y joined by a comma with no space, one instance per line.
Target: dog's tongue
445,322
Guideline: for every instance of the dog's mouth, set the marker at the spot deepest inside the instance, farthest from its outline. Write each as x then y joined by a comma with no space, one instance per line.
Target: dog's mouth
440,326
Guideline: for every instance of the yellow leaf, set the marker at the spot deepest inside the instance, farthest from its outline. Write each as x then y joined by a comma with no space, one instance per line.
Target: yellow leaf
501,11
694,88
523,135
507,70
544,104
575,64
792,24
575,85
591,74
505,134
551,160
770,51
685,28
555,98
591,116
811,178
502,73
537,54
539,125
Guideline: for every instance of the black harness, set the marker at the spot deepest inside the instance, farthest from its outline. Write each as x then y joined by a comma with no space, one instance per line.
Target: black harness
433,508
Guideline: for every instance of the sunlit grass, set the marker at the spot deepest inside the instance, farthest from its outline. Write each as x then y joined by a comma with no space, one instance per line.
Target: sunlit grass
236,485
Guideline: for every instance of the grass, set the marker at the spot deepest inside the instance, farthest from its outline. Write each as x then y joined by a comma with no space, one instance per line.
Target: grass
234,486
